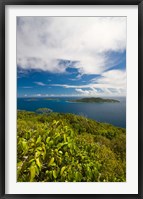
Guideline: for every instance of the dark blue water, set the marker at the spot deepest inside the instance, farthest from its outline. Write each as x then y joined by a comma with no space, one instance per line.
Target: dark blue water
113,113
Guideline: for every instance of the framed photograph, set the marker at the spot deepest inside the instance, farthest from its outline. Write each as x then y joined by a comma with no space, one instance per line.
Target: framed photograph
71,99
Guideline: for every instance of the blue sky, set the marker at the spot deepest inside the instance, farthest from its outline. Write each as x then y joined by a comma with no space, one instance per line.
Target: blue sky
71,56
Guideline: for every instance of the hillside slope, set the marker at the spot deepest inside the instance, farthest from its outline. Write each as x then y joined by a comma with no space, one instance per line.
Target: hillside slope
59,147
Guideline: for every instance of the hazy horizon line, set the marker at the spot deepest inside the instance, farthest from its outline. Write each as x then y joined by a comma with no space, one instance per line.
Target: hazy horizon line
66,96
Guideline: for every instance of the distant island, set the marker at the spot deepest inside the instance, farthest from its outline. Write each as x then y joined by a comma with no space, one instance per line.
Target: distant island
44,110
32,99
94,99
35,99
55,99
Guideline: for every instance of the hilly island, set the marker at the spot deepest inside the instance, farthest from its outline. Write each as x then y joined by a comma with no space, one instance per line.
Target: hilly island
94,99
59,147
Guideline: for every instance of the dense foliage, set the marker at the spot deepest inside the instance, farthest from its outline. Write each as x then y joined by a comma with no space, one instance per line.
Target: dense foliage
68,148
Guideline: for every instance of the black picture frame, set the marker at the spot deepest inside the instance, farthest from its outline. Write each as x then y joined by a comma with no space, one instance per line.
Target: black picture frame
3,3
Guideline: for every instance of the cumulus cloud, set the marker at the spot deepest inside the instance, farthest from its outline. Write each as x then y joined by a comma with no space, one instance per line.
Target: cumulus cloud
112,82
101,92
42,41
115,78
83,92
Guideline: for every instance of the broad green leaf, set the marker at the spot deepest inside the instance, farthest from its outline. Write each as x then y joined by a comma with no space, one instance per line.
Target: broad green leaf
37,170
66,154
38,163
39,148
48,139
24,145
55,174
65,137
47,171
32,160
37,154
32,173
60,152
62,169
51,161
38,140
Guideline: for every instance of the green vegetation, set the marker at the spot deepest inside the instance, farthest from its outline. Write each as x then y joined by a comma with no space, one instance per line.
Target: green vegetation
69,148
94,99
44,110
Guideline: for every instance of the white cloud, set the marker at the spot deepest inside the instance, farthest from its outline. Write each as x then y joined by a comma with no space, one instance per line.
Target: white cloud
55,95
43,40
112,82
116,78
101,92
83,92
73,79
27,87
40,83
92,92
38,95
